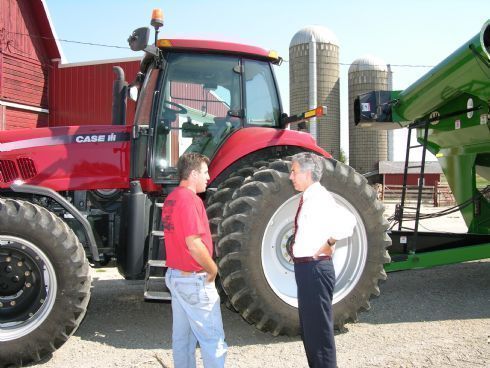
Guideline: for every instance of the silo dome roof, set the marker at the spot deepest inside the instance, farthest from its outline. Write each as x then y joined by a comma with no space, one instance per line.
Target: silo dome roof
314,33
368,62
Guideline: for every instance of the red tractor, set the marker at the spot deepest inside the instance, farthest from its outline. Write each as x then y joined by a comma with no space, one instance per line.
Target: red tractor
80,195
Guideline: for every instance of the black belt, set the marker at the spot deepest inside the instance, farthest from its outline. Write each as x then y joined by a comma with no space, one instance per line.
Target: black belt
310,259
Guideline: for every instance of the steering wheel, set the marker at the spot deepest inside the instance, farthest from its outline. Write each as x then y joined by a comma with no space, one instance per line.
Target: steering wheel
179,108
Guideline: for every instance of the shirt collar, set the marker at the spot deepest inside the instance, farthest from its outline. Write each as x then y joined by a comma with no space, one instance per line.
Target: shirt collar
310,191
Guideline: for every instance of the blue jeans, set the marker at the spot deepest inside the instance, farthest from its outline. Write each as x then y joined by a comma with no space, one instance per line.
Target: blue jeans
196,317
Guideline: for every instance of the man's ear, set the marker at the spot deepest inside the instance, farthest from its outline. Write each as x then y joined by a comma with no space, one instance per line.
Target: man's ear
310,176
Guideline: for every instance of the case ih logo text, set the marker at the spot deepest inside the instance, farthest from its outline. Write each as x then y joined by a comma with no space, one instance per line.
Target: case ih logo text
96,138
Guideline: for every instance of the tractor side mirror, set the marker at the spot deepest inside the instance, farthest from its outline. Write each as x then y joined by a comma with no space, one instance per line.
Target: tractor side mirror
239,113
139,39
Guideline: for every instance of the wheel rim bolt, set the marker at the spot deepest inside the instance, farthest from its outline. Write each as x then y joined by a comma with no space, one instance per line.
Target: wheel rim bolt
12,303
8,269
28,285
31,314
27,273
15,279
41,301
8,259
19,264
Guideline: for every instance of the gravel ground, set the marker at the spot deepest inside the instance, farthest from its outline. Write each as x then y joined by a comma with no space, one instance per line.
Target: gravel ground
437,317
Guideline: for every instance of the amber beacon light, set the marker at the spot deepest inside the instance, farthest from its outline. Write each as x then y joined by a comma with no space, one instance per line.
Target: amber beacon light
157,18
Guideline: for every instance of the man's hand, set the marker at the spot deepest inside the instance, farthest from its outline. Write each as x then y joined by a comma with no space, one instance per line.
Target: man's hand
326,249
212,276
200,253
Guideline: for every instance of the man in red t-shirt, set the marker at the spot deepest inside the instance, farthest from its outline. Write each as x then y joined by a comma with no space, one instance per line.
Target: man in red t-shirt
191,270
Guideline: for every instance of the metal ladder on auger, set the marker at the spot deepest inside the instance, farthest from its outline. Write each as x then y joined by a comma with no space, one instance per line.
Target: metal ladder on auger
401,207
155,288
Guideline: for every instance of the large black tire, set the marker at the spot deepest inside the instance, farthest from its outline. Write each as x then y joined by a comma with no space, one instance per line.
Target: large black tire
215,205
44,282
255,225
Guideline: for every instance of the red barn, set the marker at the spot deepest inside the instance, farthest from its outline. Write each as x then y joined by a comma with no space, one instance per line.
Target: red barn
392,172
81,93
28,54
432,191
36,88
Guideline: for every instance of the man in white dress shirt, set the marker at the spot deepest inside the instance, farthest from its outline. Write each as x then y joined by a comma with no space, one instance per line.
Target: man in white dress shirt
319,223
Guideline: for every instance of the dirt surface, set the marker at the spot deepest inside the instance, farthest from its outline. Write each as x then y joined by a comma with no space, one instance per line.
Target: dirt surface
438,317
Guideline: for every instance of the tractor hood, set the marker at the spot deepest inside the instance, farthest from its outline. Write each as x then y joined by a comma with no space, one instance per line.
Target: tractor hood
66,158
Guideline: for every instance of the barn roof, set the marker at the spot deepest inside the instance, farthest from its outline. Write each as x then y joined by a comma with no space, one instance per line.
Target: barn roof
46,30
397,167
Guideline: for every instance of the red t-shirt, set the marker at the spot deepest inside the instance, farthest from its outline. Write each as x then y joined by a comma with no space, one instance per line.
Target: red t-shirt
184,215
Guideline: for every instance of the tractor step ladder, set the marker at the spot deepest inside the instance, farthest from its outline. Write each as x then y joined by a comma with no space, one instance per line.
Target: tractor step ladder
155,265
413,239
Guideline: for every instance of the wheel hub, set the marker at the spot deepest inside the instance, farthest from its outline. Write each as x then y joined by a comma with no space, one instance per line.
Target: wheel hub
22,282
349,260
276,262
12,276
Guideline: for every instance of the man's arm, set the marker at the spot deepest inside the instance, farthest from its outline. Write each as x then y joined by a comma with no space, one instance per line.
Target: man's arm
200,253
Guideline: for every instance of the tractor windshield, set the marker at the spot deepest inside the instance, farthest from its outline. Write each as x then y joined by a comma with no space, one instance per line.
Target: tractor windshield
202,102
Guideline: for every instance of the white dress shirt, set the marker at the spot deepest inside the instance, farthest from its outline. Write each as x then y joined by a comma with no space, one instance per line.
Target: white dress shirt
319,219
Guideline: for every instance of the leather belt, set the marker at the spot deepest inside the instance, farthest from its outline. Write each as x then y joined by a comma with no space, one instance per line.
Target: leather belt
310,259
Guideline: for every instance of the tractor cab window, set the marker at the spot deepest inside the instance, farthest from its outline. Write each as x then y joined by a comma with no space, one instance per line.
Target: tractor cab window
200,104
260,95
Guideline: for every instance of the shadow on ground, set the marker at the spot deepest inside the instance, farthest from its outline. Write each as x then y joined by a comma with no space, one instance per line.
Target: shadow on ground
453,292
118,316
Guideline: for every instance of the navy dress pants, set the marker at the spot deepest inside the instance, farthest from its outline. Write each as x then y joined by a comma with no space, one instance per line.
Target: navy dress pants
316,282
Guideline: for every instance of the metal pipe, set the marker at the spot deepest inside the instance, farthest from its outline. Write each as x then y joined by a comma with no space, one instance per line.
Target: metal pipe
312,93
119,97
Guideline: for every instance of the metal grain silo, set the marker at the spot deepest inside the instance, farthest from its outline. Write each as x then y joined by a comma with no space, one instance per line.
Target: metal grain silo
367,147
314,81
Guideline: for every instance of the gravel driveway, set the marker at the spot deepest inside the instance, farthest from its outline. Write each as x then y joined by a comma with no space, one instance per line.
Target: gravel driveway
437,317
426,318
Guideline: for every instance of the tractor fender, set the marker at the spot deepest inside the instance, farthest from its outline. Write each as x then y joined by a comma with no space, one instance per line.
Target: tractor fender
248,140
47,192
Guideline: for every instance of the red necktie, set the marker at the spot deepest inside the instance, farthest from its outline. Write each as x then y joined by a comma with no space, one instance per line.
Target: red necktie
295,226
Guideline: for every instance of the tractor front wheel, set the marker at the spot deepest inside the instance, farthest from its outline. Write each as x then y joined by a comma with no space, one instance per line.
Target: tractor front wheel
255,268
44,282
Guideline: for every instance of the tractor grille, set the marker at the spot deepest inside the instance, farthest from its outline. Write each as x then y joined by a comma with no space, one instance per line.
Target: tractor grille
8,171
26,167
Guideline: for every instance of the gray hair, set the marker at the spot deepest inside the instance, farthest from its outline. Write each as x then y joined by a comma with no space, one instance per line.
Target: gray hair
310,162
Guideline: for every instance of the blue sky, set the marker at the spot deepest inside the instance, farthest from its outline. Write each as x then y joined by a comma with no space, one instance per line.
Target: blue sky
415,32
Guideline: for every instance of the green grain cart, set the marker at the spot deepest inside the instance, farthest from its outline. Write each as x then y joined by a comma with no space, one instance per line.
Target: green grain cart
449,109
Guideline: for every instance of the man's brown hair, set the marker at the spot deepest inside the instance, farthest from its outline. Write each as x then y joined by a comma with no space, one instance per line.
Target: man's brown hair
188,162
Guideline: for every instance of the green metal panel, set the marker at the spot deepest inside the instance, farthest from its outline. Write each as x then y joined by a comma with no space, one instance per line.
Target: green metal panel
439,258
458,142
464,71
457,90
454,97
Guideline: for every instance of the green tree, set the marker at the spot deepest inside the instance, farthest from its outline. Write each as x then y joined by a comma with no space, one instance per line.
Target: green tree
342,156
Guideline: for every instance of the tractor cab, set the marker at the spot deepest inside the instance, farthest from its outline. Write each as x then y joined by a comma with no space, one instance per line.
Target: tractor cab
194,95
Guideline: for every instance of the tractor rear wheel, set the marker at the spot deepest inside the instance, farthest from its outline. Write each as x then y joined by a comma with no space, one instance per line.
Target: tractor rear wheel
44,282
256,271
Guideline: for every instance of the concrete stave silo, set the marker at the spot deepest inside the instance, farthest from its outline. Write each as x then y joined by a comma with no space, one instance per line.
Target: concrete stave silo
314,81
367,147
